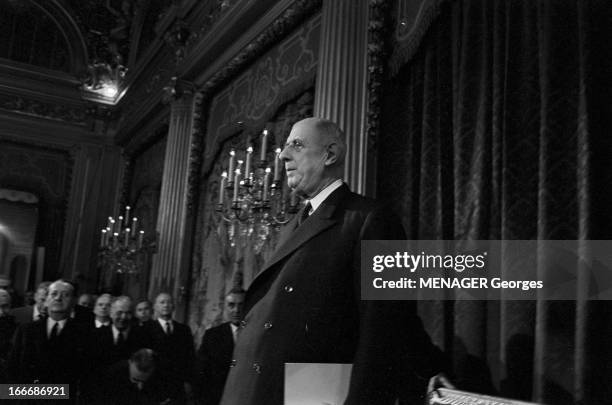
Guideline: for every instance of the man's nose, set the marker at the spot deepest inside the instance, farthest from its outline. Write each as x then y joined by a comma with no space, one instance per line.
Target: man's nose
284,155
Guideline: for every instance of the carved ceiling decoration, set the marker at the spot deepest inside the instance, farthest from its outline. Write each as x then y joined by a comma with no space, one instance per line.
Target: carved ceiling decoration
36,108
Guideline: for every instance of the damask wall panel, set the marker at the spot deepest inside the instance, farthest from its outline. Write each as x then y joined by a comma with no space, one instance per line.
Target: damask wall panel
274,93
143,196
45,172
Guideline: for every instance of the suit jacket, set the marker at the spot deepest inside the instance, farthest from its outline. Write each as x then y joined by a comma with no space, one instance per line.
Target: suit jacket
304,306
214,359
23,314
176,352
34,357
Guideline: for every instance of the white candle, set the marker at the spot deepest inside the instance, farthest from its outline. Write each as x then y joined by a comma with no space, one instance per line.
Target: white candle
127,216
236,184
222,187
277,165
266,184
264,144
134,223
112,225
247,169
140,238
115,239
103,238
231,161
126,241
109,222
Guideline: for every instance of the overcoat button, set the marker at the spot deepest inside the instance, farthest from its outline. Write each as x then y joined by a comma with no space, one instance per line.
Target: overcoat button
267,325
288,288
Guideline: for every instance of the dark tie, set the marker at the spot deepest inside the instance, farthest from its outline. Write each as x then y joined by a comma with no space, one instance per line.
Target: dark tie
304,213
54,332
168,330
120,339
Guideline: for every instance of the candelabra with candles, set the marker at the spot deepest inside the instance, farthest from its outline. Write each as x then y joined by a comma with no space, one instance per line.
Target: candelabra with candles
251,203
123,247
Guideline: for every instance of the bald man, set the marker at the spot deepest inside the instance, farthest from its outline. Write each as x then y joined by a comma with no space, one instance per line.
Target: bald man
50,350
304,305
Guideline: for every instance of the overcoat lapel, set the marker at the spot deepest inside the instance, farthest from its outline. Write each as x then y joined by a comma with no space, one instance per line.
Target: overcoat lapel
319,221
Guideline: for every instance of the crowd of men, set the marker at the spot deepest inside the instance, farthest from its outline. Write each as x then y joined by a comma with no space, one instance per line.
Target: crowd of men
112,350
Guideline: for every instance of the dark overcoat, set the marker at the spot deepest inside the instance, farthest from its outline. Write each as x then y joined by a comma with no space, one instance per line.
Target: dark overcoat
304,306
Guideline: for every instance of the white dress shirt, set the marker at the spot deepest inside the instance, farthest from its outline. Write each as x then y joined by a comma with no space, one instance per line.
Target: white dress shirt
316,201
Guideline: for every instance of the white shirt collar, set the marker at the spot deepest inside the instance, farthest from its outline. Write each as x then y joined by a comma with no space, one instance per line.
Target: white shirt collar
99,324
163,322
35,313
51,323
316,201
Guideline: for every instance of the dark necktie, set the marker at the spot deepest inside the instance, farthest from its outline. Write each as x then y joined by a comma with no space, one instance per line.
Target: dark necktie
304,213
120,339
54,332
168,329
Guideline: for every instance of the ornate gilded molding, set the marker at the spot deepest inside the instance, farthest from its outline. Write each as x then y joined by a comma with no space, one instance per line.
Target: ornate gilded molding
196,154
377,54
41,109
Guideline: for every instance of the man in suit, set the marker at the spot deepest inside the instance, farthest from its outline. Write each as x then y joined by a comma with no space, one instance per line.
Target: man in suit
7,329
50,350
215,352
173,342
304,305
31,313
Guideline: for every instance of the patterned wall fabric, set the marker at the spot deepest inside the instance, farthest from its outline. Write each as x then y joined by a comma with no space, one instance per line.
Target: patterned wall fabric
498,128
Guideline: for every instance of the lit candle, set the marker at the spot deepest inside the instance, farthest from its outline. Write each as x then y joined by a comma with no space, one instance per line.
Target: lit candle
266,184
119,223
103,238
264,144
126,241
236,184
247,169
109,222
231,161
140,238
112,225
134,223
115,239
277,165
127,216
222,187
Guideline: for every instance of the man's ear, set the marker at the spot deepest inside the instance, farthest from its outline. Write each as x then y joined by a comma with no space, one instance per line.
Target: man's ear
332,154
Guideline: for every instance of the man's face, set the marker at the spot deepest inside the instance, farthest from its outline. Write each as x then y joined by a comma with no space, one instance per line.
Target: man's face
102,307
234,304
164,305
5,304
121,314
40,297
304,156
60,298
138,377
143,311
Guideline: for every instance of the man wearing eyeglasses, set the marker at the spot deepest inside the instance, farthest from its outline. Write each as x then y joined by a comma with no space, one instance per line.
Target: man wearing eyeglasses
304,305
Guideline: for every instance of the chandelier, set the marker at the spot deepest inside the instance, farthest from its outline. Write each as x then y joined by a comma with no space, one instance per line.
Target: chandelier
252,200
123,248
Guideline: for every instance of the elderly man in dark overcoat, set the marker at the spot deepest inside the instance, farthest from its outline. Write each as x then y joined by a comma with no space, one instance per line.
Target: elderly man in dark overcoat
304,305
